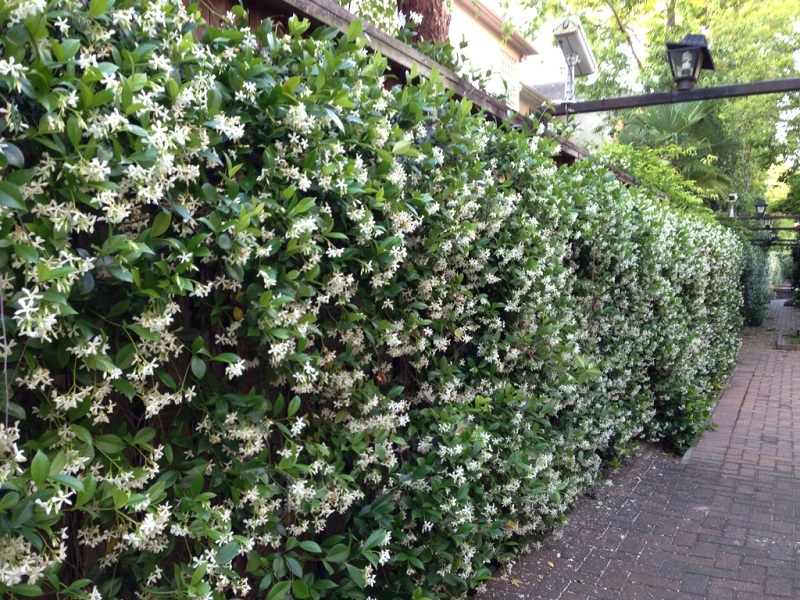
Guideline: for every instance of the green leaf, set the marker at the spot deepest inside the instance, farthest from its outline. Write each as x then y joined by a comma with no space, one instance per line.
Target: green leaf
167,379
198,367
22,513
119,308
290,85
125,387
401,147
138,131
210,193
280,333
199,346
58,51
109,444
355,29
356,575
161,223
374,539
89,488
339,553
121,273
298,27
294,566
46,274
324,584
310,546
279,590
13,155
13,409
11,196
143,436
300,589
58,463
68,481
120,497
301,207
227,357
199,573
26,253
9,500
74,132
40,468
227,553
27,589
99,7
82,433
79,584
294,406
143,332
70,47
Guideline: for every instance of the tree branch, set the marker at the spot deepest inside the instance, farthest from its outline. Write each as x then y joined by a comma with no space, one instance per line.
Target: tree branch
624,32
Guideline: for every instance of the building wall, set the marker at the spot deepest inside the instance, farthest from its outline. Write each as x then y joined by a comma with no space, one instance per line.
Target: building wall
486,49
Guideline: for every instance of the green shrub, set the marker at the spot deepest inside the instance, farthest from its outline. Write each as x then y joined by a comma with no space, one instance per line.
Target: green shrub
781,267
755,285
794,271
274,330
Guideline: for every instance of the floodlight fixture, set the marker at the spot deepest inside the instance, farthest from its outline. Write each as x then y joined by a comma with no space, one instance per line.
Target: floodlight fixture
572,41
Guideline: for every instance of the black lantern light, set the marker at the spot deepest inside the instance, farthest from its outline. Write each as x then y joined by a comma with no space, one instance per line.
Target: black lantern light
761,208
774,235
687,58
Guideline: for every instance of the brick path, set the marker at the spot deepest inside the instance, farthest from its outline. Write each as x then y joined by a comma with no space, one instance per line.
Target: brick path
720,523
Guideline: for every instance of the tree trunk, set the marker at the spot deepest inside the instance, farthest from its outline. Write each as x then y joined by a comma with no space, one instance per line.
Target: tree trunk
435,26
670,15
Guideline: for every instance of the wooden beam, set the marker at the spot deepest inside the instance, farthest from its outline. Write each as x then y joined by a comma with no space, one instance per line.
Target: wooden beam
773,228
775,86
763,218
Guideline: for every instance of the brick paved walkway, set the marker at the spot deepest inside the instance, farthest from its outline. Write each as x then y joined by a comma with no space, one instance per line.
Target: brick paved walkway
720,523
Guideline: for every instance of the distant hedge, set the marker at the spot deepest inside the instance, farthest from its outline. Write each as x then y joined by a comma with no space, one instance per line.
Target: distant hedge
273,330
756,291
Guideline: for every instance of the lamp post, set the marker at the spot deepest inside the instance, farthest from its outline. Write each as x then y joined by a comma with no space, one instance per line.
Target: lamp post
761,208
687,59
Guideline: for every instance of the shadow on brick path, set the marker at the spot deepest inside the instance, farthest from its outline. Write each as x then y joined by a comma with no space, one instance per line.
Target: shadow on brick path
719,523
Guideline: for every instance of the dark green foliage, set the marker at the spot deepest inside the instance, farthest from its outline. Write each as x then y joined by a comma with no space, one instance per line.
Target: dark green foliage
274,330
756,290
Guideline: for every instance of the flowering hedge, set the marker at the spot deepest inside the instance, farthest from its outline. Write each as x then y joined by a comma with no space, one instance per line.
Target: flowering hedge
271,329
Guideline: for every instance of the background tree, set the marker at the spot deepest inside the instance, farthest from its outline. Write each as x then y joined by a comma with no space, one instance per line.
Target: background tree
693,140
430,18
790,204
751,40
435,23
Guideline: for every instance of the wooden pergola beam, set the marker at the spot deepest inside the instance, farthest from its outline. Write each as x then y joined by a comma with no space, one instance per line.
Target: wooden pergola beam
773,228
775,86
762,218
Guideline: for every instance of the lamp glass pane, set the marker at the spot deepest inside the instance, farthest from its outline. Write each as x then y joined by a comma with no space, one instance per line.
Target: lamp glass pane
686,66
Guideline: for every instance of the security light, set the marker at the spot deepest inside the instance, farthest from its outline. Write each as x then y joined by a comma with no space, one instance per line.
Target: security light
572,41
580,59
